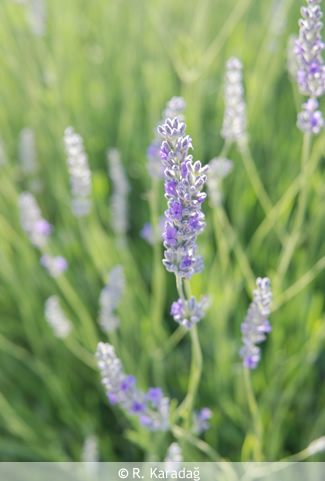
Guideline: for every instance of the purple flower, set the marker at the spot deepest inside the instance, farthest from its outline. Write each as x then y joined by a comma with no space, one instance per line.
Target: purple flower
170,235
170,188
121,390
184,181
188,313
235,119
256,323
127,383
137,407
200,421
43,227
54,265
176,210
310,120
309,47
154,395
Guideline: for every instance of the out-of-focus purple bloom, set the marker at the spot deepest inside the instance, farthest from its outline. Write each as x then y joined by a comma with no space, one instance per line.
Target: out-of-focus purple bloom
54,265
174,108
309,47
189,312
256,323
109,299
154,416
310,120
234,121
37,228
148,234
201,421
184,182
56,318
80,175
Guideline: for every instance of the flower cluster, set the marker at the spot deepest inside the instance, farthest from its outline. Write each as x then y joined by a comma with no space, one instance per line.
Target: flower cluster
174,108
188,312
110,298
151,407
80,175
311,73
310,120
55,266
256,323
234,121
219,168
37,228
201,421
309,46
184,182
121,189
56,318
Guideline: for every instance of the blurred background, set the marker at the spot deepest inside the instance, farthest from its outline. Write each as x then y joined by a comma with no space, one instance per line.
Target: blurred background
107,68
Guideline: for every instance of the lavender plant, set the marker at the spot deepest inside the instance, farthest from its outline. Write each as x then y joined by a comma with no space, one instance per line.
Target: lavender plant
151,408
80,175
256,323
234,121
311,74
55,266
184,182
27,151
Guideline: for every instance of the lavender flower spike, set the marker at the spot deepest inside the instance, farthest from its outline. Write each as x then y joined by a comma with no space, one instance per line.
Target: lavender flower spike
37,228
184,182
201,421
151,408
309,46
80,175
121,189
311,74
56,318
256,323
174,108
235,121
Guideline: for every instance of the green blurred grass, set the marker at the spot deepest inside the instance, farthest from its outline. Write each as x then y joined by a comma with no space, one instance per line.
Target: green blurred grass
108,68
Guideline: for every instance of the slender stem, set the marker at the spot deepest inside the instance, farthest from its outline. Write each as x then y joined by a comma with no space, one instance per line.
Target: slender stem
179,286
252,404
289,249
181,434
169,345
257,184
186,407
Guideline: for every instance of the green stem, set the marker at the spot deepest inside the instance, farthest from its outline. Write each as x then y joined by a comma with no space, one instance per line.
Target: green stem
289,249
252,404
186,407
257,184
